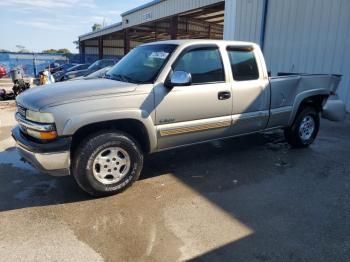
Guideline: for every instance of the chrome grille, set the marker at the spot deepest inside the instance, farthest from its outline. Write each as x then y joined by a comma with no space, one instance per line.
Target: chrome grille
21,110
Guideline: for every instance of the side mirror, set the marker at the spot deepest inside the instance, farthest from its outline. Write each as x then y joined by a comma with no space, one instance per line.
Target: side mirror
180,78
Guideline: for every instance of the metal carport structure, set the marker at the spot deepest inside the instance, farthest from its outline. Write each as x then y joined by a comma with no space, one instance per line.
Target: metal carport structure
157,20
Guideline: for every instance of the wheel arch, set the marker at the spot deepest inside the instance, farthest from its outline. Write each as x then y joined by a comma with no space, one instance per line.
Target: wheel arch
314,98
121,120
133,127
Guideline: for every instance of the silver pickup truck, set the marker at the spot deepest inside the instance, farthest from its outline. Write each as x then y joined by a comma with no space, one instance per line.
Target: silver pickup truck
161,96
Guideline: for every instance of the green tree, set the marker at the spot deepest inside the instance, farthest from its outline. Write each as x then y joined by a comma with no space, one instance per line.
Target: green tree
56,51
50,51
96,26
63,51
76,42
22,49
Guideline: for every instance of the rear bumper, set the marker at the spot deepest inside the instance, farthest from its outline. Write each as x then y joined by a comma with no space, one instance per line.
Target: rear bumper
52,158
334,109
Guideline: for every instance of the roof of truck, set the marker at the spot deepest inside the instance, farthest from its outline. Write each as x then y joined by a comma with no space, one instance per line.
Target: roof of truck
201,41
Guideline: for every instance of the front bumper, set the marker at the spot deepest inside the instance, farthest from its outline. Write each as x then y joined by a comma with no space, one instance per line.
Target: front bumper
52,157
334,109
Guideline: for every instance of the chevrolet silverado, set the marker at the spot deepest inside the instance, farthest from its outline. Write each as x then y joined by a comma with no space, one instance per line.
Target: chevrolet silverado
160,96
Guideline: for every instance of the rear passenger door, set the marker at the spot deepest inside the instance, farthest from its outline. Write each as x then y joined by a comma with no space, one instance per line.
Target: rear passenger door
250,91
189,114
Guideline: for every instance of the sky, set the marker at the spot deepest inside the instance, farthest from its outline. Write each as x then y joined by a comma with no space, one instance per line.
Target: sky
44,24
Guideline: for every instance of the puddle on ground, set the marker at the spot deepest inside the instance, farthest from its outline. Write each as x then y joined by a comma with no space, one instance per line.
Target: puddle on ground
37,190
11,157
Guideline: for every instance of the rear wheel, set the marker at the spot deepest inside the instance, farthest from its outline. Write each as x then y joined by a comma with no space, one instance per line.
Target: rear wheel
304,129
107,163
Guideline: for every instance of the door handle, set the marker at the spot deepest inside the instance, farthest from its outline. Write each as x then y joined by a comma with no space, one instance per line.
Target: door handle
224,95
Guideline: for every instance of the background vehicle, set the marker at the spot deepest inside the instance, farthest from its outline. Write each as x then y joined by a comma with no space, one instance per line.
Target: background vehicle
2,71
161,96
98,74
65,67
53,67
59,75
99,64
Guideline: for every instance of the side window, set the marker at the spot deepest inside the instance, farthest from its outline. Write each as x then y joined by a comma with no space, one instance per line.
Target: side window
204,64
107,63
243,64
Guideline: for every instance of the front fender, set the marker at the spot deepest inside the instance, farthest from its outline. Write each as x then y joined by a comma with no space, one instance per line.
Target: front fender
76,122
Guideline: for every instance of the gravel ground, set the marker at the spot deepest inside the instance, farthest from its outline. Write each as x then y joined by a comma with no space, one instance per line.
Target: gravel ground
244,199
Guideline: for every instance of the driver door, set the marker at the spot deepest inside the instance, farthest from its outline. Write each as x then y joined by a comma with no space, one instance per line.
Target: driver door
197,112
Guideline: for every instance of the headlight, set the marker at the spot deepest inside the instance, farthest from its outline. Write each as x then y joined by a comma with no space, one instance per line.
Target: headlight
39,117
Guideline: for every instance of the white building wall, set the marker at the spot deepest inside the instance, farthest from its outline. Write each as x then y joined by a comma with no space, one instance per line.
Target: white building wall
310,36
243,20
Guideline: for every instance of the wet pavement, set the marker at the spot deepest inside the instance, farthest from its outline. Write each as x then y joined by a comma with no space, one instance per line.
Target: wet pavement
245,199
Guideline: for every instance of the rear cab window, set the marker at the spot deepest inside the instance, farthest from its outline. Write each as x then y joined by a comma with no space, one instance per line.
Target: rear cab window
203,63
243,63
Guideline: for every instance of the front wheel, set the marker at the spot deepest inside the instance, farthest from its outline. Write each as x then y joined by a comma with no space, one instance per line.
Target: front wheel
304,129
107,163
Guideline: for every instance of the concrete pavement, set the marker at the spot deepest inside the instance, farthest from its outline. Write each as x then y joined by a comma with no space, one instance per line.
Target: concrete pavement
245,199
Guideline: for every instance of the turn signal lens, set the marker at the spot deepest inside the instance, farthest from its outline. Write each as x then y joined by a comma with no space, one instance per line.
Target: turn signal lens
48,135
42,135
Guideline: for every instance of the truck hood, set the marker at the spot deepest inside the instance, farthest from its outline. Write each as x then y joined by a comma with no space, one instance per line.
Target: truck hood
63,92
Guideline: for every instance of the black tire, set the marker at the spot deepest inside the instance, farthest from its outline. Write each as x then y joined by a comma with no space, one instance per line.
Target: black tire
292,134
83,159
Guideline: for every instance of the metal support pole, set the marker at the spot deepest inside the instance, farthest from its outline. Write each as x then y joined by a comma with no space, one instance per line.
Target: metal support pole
100,47
155,31
34,65
82,52
173,27
126,41
263,24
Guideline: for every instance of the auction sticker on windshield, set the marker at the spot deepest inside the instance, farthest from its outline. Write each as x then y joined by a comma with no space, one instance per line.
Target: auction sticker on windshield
160,55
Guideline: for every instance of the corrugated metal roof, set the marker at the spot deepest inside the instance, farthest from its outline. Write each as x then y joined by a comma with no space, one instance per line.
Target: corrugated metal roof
117,26
161,9
154,2
164,9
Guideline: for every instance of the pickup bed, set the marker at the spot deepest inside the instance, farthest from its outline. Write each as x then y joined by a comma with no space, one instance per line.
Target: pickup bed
161,96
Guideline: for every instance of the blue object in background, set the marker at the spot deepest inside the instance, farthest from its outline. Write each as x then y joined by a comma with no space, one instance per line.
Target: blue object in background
33,63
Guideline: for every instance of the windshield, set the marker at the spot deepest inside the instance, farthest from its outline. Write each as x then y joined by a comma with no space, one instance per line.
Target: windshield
74,68
95,65
99,73
67,66
142,64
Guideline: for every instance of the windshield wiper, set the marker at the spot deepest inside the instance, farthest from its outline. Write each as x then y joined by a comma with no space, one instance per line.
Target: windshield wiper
122,78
